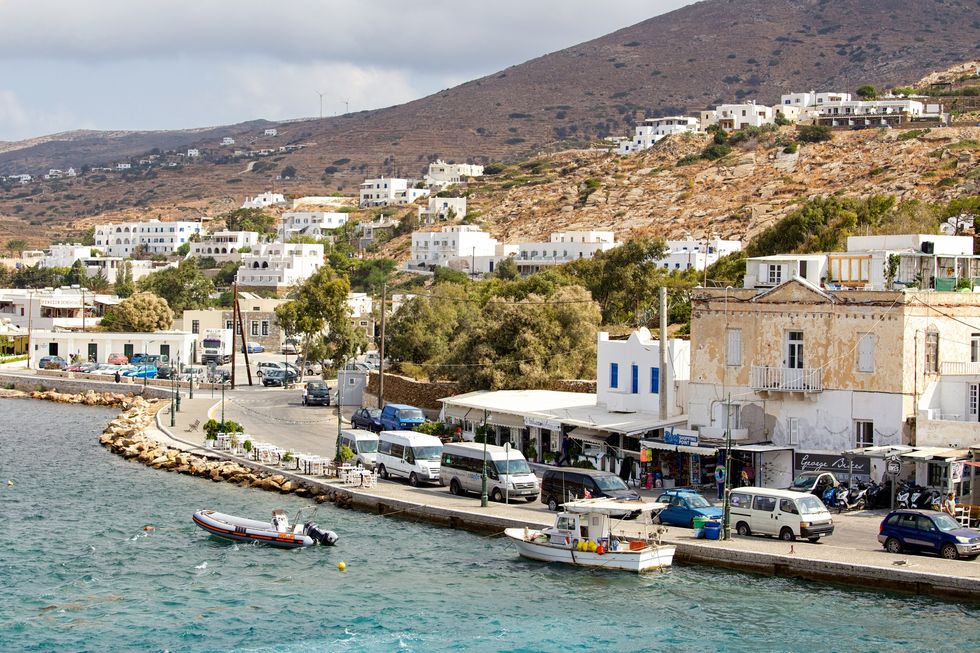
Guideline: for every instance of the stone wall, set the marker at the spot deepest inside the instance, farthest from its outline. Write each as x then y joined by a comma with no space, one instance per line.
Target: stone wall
75,386
404,390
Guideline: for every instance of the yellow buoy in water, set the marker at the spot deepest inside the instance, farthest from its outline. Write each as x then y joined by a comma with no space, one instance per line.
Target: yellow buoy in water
10,483
341,565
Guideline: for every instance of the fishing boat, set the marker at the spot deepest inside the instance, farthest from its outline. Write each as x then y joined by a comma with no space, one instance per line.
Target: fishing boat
602,533
276,533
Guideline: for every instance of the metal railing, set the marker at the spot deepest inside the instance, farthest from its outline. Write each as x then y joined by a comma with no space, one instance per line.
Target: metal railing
959,368
784,379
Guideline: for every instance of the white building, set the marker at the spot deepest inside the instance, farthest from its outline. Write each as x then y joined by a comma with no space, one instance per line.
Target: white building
653,130
361,307
375,229
311,201
264,200
271,132
279,266
562,247
227,140
65,255
54,308
812,99
628,374
442,174
154,236
225,245
97,345
697,254
872,112
442,208
452,243
736,116
193,153
112,267
317,224
389,191
124,166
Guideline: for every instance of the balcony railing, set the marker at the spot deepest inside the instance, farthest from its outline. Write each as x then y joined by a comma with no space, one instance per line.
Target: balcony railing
961,368
783,379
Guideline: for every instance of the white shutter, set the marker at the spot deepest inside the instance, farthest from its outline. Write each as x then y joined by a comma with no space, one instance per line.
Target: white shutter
866,352
733,354
793,426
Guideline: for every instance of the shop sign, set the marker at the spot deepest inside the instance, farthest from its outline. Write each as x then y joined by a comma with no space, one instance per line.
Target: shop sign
681,437
817,462
541,423
956,472
894,465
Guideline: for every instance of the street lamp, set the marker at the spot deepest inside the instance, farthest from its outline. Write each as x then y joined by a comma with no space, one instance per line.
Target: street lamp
728,470
483,492
223,404
507,483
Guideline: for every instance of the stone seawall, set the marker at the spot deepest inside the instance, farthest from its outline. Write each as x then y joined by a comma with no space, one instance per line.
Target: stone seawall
31,383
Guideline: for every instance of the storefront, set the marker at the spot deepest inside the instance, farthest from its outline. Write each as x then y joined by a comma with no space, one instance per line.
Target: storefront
669,464
764,465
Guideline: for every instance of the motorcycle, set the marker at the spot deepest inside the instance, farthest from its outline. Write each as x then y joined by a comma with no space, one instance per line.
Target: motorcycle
906,494
855,498
835,497
873,496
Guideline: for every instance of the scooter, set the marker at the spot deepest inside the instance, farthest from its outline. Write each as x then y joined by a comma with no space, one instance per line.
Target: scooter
906,494
855,498
872,495
835,496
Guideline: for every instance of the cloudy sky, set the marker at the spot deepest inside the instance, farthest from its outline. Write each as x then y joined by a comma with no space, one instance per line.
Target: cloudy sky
136,64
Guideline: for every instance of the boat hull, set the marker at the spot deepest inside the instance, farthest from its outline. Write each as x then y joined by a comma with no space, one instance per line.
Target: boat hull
650,558
239,529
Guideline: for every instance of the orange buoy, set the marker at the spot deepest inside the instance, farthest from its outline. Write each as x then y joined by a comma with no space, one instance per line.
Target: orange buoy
601,550
149,527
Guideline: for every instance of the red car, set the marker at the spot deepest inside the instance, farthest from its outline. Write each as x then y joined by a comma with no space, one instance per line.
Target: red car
117,359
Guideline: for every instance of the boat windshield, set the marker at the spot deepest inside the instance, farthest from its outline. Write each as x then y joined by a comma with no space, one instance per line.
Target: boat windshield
945,522
427,453
513,466
367,446
610,483
810,505
697,501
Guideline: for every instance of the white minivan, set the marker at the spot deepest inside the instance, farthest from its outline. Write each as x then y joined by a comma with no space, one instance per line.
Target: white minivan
786,514
508,474
410,454
364,444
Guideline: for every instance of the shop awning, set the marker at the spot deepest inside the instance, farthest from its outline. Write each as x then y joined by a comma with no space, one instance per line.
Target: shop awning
760,448
585,434
679,448
879,452
461,412
506,419
937,453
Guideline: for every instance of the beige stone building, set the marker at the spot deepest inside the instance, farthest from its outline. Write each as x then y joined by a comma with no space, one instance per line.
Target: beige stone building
812,373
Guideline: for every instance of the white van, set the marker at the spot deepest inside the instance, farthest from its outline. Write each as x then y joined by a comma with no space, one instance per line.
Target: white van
784,513
410,454
364,444
508,474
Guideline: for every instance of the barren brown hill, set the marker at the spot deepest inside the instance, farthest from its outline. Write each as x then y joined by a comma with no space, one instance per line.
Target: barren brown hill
685,60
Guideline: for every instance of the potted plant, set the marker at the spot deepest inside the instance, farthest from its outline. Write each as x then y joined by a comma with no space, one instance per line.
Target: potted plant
247,446
289,460
233,441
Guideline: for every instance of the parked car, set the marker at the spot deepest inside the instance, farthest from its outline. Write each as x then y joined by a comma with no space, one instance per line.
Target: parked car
117,359
265,366
363,444
82,367
813,482
788,514
928,531
52,363
142,372
199,373
289,348
105,369
310,368
683,505
567,483
253,348
279,377
166,372
401,417
316,393
411,454
367,418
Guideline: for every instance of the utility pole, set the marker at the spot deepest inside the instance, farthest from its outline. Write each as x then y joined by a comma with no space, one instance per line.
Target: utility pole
483,492
321,103
234,330
728,470
241,327
340,405
663,353
381,365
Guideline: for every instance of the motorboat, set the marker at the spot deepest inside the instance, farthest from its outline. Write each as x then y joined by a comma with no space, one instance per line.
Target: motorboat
601,533
278,532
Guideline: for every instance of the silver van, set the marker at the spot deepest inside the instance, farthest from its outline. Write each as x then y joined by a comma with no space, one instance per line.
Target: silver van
364,444
508,474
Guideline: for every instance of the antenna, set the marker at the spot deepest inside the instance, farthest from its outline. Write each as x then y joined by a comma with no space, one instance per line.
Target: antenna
347,105
321,103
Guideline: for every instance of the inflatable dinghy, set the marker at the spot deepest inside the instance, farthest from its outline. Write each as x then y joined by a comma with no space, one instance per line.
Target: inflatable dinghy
277,532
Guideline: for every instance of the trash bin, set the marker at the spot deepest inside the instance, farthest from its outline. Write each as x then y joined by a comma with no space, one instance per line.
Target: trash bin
712,530
699,523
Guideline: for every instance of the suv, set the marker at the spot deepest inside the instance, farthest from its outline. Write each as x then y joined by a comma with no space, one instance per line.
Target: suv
683,505
928,530
52,363
279,377
568,483
316,392
814,483
401,417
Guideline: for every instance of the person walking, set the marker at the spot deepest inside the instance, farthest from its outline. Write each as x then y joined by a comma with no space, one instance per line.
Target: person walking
117,377
566,457
949,505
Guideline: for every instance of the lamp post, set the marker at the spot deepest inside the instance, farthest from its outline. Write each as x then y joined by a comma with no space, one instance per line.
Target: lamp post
340,404
222,405
190,386
728,470
507,483
483,492
173,402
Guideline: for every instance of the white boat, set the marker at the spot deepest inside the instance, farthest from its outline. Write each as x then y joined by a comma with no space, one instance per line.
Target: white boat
276,533
601,533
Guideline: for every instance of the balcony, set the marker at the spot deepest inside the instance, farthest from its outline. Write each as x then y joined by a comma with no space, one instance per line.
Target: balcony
959,368
782,379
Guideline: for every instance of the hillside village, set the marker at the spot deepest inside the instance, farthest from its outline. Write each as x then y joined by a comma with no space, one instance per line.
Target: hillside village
697,206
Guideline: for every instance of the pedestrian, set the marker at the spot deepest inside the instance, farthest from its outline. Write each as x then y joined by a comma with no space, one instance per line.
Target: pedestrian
565,457
949,505
117,376
743,478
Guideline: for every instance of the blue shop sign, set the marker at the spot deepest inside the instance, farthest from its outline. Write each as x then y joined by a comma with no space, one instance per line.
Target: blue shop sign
678,437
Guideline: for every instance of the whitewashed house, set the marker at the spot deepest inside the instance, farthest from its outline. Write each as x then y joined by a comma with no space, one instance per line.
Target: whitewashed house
97,345
697,254
65,255
154,236
872,113
271,132
459,244
442,208
389,191
317,224
227,140
279,266
54,308
731,117
193,153
264,200
562,247
442,174
225,245
652,130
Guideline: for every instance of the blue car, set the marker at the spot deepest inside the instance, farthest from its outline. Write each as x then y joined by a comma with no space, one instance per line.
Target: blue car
684,505
253,348
400,417
142,372
928,531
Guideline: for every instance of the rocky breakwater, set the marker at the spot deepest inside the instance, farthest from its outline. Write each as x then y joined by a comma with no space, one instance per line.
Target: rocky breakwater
126,436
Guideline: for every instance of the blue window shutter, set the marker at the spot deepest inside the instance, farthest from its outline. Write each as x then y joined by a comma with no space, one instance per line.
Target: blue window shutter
655,380
636,379
614,375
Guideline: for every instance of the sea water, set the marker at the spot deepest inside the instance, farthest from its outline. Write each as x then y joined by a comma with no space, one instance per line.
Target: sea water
79,571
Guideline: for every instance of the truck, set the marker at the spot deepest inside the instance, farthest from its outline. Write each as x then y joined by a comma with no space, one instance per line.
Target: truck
216,346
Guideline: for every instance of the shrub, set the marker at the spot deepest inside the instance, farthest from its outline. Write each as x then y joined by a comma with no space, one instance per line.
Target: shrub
791,148
583,464
688,160
493,169
716,151
814,134
912,133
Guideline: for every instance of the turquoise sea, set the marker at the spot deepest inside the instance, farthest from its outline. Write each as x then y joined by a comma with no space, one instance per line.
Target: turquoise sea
78,572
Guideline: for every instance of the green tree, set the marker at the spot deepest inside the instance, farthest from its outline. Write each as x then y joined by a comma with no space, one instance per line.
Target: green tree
867,92
16,246
507,269
184,249
88,238
183,287
124,281
250,220
99,282
76,274
227,273
814,134
423,328
320,307
38,277
142,313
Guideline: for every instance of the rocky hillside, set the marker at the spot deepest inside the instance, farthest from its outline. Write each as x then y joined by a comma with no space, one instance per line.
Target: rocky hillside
735,197
708,52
